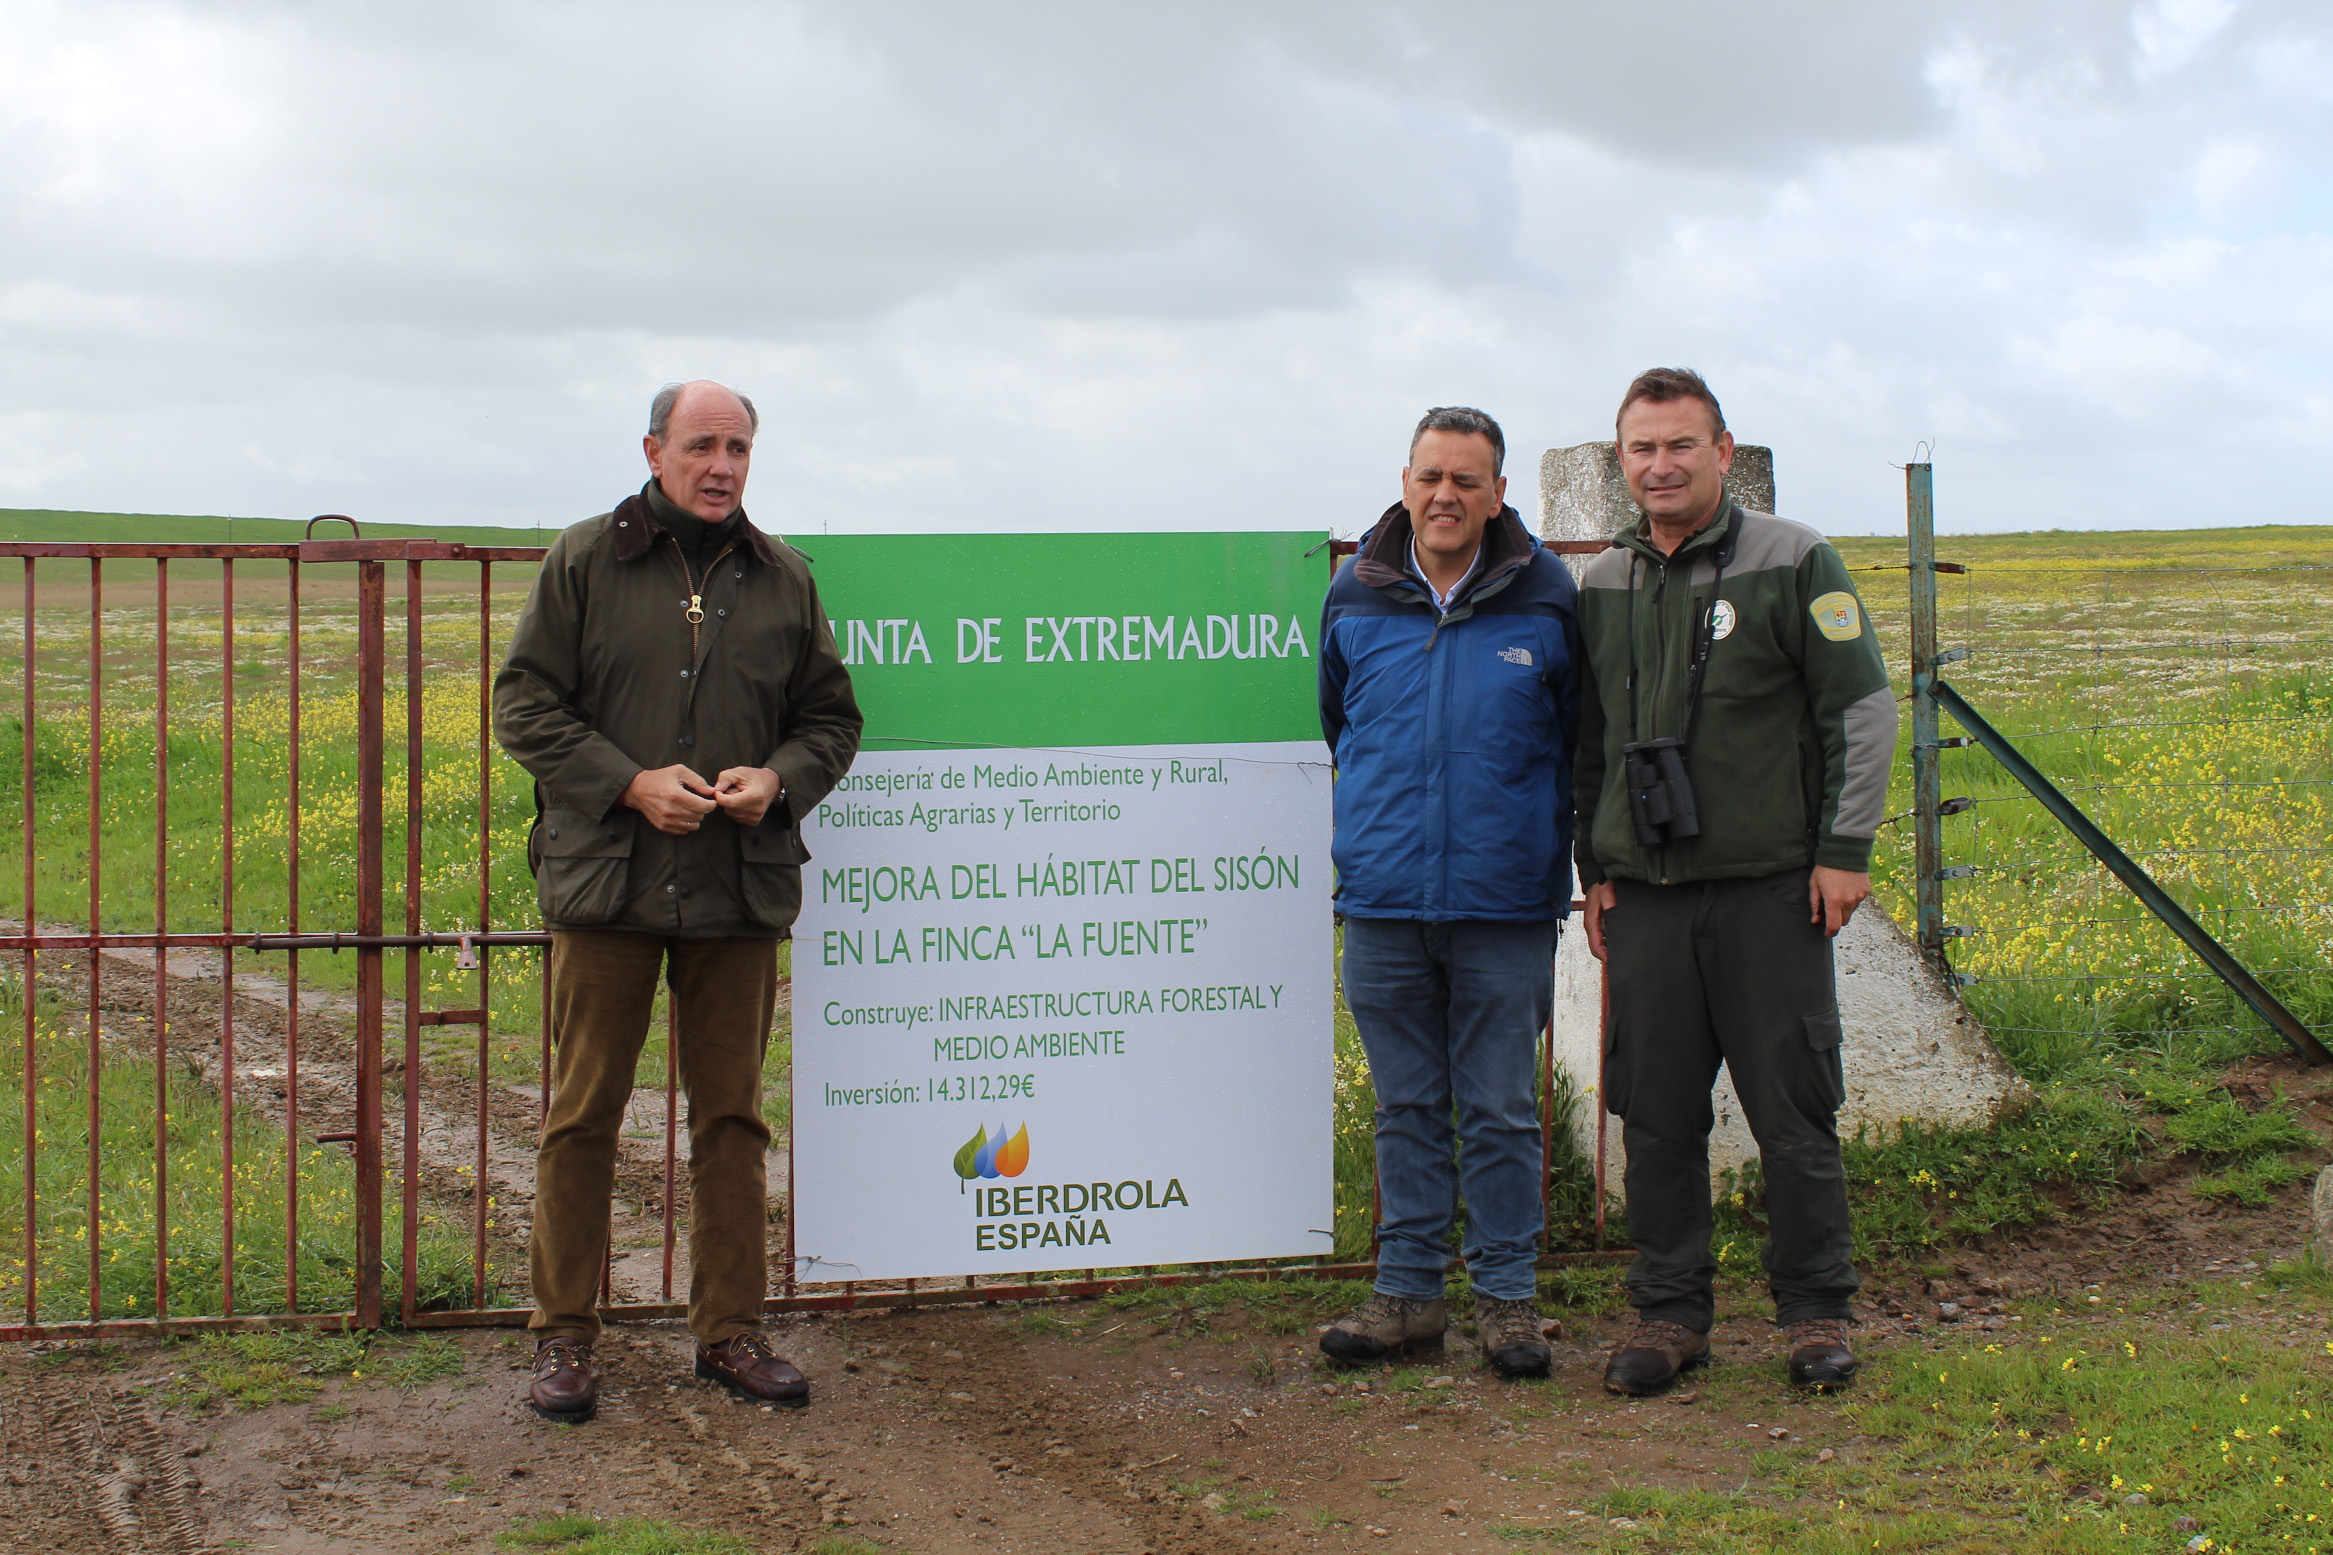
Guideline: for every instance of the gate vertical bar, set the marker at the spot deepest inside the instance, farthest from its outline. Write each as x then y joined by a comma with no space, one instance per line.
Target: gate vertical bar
227,926
543,1021
371,673
410,1241
292,959
793,1253
31,1049
161,927
1927,824
485,922
1603,1113
96,957
671,1112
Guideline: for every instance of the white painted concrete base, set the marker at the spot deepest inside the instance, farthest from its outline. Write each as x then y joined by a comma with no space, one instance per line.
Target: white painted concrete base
1912,1050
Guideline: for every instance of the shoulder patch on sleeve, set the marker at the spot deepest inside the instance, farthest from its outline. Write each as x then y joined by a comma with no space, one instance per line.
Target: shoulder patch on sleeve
1837,616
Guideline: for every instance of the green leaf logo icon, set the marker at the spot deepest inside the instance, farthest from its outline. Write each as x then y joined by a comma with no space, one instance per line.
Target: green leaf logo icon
967,1159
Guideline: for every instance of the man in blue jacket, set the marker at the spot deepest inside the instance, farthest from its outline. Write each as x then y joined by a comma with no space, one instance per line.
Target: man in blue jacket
1449,694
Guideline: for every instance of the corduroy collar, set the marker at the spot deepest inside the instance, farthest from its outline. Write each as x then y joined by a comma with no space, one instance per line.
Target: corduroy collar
637,530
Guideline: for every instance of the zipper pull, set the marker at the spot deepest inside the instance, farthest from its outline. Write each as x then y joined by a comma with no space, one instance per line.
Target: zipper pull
696,609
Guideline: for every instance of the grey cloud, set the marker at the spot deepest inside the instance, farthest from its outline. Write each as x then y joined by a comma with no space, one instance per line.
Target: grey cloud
1030,264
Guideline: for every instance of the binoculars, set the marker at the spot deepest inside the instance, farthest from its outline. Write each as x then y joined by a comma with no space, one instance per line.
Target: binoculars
1660,795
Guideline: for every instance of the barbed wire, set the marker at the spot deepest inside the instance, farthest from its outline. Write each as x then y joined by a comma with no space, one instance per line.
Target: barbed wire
2171,974
2087,650
2178,570
2092,1031
2075,852
2166,723
2117,788
2080,923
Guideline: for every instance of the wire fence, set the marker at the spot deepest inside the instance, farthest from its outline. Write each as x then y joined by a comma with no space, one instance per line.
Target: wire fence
2180,691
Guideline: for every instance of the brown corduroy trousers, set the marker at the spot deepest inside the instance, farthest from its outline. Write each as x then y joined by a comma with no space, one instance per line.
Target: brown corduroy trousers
603,989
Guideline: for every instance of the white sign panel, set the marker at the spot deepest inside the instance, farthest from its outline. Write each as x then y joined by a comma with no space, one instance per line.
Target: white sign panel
1064,1010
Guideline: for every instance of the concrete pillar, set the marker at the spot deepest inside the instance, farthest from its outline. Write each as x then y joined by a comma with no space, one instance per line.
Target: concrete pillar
1582,497
2321,1217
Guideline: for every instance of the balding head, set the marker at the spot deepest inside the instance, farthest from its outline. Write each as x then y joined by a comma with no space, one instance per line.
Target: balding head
668,399
699,443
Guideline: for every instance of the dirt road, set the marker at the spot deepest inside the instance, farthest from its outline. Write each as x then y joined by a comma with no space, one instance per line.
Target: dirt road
1164,1426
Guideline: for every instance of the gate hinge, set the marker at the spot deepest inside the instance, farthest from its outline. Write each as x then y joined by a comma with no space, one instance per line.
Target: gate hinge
1955,806
1956,871
1951,656
1957,931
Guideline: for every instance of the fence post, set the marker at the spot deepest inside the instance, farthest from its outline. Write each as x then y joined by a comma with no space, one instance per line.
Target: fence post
1927,821
372,597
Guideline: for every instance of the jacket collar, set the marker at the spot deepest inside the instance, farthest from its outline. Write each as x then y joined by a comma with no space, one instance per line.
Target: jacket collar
1384,558
1715,536
637,530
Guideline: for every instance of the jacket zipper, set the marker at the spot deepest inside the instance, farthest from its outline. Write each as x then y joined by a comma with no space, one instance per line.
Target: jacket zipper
695,609
1660,683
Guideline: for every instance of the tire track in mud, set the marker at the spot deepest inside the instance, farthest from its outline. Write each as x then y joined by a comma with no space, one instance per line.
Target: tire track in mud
91,1471
1026,1423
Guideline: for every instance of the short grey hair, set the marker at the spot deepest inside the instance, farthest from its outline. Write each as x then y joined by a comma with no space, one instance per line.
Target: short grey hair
1463,418
660,410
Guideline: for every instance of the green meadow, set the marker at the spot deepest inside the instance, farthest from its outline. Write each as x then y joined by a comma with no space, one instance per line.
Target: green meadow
2177,683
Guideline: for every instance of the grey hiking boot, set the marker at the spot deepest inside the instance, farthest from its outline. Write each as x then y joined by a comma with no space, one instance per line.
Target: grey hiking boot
1820,1356
1512,1339
1384,1327
1655,1355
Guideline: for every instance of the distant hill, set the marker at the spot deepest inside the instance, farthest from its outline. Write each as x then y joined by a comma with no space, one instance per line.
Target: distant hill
190,529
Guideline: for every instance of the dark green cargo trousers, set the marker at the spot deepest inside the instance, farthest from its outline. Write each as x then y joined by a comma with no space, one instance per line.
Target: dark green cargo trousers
1732,972
603,989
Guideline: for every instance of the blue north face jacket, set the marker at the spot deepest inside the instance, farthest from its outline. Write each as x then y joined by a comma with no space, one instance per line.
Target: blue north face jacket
1452,733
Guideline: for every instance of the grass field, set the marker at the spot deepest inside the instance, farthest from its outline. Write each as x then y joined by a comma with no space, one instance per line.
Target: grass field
2180,688
194,1176
182,529
2163,687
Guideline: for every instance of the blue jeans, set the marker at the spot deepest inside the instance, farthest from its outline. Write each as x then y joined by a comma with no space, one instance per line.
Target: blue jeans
1450,1015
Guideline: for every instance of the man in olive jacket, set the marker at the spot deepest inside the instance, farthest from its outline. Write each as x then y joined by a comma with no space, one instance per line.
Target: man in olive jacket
1736,730
664,641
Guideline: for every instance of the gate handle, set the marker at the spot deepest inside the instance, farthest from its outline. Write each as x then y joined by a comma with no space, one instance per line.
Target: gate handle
309,533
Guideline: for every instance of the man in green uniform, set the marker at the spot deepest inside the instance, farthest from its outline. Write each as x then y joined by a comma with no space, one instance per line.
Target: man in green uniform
664,641
1735,735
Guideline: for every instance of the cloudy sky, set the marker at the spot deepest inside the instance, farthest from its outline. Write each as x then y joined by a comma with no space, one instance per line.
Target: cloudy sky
1031,265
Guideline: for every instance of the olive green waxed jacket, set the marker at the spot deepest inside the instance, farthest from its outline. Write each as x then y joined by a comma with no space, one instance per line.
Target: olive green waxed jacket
1790,755
608,677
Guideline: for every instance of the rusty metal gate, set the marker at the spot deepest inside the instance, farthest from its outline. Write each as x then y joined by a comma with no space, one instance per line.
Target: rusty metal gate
75,688
101,932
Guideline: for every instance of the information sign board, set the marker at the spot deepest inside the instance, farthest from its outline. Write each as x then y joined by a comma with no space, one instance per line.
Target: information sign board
1061,992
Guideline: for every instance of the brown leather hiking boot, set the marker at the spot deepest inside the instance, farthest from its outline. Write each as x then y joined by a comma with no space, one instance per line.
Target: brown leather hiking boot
1386,1326
565,1387
746,1365
1513,1339
1819,1356
1654,1357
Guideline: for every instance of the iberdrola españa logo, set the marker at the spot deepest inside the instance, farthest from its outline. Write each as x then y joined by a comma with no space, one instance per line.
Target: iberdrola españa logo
998,1156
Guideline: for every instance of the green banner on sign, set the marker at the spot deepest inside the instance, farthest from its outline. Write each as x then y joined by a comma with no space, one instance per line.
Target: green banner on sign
1077,640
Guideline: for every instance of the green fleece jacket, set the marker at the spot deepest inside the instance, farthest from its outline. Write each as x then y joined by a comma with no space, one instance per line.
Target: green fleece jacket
1789,759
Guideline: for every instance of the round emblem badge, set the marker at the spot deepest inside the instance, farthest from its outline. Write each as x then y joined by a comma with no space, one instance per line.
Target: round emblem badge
1721,620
